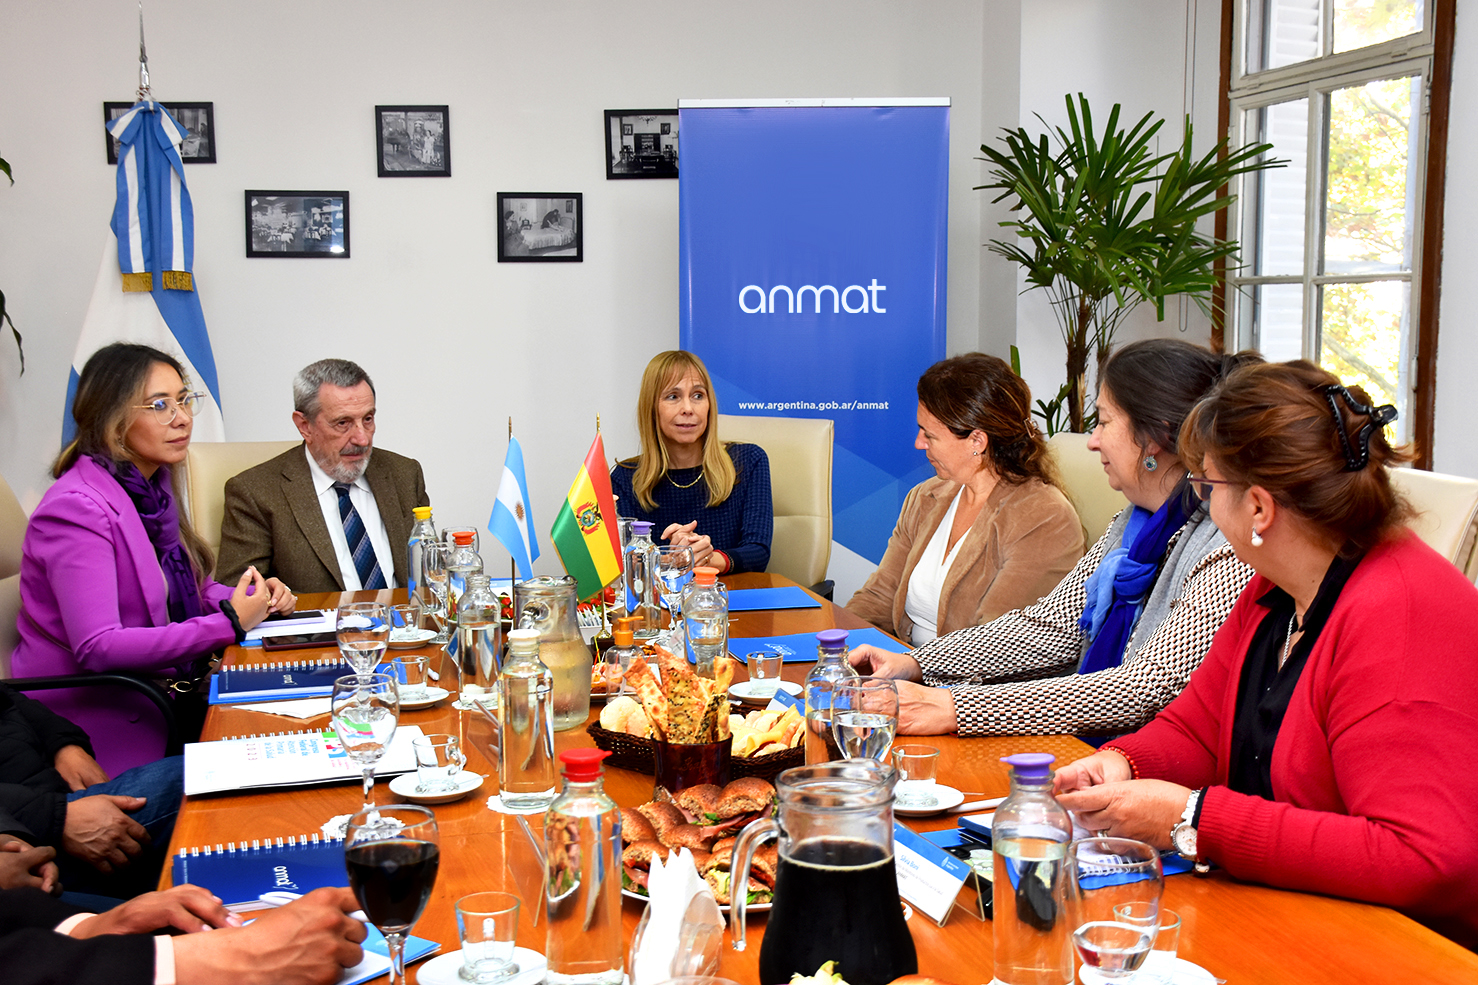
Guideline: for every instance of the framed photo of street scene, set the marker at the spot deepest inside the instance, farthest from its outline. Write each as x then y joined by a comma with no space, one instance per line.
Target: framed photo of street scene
198,120
297,224
541,227
641,143
413,141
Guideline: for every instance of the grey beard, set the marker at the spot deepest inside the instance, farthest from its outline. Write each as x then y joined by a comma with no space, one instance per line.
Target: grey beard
341,472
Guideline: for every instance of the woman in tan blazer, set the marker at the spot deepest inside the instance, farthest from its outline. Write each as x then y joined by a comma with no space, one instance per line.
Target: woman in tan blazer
992,531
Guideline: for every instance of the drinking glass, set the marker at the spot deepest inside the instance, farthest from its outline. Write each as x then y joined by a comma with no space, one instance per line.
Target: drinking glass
864,717
764,672
366,709
487,924
392,855
364,632
439,762
674,571
1102,874
918,768
433,570
1166,923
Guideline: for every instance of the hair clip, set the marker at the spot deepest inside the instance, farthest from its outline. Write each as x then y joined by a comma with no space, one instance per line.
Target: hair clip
1356,459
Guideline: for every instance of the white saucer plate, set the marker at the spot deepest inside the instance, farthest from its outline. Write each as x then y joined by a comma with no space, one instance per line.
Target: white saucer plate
414,699
944,798
743,691
751,908
442,969
1159,968
404,785
410,639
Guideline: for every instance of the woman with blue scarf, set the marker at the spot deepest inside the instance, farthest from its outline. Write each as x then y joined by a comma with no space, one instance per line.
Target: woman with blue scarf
1117,639
112,575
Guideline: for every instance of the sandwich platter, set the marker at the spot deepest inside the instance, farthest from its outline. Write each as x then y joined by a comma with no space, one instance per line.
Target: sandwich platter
723,907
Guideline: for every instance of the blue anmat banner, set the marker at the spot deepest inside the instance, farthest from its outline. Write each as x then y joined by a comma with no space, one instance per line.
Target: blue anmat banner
812,267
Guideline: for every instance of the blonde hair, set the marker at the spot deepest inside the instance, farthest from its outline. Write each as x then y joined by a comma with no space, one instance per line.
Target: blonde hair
665,369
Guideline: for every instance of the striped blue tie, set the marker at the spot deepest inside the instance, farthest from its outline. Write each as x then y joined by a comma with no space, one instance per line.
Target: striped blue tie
360,547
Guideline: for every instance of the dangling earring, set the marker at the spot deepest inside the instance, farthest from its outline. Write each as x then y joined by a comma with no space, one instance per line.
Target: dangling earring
1150,464
1256,538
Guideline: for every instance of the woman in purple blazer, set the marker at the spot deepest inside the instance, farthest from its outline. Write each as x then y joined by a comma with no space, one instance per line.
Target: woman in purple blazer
113,578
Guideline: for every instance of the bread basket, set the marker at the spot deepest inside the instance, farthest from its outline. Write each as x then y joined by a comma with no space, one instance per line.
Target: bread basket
632,752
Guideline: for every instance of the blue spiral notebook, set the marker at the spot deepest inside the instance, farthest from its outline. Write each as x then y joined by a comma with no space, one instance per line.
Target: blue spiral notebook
240,874
277,681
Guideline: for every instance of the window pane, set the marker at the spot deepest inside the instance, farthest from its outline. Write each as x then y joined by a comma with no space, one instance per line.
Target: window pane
1369,204
1281,32
1361,23
1278,321
1275,202
1363,333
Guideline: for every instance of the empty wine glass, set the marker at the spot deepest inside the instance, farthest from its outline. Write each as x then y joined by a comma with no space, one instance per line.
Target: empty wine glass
433,571
366,709
1103,873
392,855
864,717
364,632
674,571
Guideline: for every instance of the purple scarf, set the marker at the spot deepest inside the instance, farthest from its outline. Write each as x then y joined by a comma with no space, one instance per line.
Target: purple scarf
154,499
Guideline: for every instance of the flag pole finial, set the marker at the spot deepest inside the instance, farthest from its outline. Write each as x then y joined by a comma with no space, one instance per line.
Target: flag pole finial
144,92
510,427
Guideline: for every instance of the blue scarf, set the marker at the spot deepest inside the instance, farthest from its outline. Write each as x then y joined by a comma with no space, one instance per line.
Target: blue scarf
154,499
1123,579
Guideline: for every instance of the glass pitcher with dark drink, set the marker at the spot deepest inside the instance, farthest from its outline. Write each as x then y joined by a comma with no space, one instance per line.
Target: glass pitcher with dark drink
836,890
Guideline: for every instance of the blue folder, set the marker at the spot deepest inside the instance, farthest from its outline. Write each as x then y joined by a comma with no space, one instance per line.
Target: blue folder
754,599
801,647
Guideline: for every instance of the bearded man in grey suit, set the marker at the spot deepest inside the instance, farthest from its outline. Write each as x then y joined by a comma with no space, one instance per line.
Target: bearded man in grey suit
327,516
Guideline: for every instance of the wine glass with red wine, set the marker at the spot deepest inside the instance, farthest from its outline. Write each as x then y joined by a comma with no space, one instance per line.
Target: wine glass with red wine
392,854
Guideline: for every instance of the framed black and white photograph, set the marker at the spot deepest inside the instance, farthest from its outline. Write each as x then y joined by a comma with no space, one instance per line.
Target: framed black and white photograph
641,143
545,227
198,120
413,141
297,224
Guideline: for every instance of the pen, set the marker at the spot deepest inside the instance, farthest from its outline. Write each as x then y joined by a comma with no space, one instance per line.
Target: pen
279,897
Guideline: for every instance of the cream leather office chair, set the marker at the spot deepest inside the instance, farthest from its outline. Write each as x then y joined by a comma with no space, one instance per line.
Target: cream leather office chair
1087,486
799,450
208,464
1447,513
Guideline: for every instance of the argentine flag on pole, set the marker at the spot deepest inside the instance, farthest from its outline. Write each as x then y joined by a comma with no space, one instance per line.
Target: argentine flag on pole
511,522
145,289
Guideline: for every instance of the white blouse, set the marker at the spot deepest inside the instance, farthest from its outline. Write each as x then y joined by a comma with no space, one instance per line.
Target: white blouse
927,580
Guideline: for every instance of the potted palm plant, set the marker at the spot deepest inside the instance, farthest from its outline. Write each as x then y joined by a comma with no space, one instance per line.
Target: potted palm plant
1104,225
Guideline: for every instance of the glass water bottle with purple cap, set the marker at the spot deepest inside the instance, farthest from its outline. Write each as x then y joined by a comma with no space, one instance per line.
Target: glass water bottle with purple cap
1029,838
831,666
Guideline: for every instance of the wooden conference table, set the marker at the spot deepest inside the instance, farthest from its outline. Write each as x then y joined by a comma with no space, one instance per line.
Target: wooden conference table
1240,932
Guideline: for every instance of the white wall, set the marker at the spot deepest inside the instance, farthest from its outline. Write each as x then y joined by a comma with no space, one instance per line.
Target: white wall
455,341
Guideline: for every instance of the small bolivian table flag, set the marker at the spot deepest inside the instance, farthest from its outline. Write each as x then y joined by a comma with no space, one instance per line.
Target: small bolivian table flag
584,532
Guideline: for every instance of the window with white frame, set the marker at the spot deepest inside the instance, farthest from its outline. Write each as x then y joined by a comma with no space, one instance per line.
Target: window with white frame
1331,243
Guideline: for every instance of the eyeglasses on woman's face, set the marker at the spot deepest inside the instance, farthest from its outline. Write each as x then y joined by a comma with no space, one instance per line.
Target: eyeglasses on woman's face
166,409
1203,485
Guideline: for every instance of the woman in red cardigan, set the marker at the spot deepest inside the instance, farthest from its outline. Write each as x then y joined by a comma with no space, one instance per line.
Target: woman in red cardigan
1326,743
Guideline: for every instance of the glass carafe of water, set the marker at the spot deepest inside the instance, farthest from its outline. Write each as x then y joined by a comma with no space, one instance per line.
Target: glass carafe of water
836,889
547,605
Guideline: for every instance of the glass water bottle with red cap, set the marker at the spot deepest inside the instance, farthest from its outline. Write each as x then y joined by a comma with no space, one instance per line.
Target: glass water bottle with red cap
462,563
1029,838
582,877
706,620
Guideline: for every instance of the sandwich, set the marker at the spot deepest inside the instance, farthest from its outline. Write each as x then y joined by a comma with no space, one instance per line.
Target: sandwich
760,886
634,827
718,811
673,828
636,863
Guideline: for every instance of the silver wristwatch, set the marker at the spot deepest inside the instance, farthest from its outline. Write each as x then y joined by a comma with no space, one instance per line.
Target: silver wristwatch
1183,835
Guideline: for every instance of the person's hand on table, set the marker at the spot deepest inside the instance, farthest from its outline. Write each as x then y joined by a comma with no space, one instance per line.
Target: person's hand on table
251,608
282,600
22,866
308,942
1104,766
925,710
99,831
184,907
1145,810
682,535
874,661
78,768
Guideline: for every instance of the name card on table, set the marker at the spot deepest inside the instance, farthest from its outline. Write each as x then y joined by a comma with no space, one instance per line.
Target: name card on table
784,699
928,877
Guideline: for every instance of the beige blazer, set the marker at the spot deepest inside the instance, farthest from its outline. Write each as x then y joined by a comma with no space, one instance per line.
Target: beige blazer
1025,540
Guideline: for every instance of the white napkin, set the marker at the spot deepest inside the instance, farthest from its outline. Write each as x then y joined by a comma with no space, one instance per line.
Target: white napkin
303,708
665,943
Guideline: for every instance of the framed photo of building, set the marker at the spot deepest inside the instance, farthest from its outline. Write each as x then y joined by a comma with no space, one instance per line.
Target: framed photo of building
297,224
541,227
641,143
413,141
198,120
